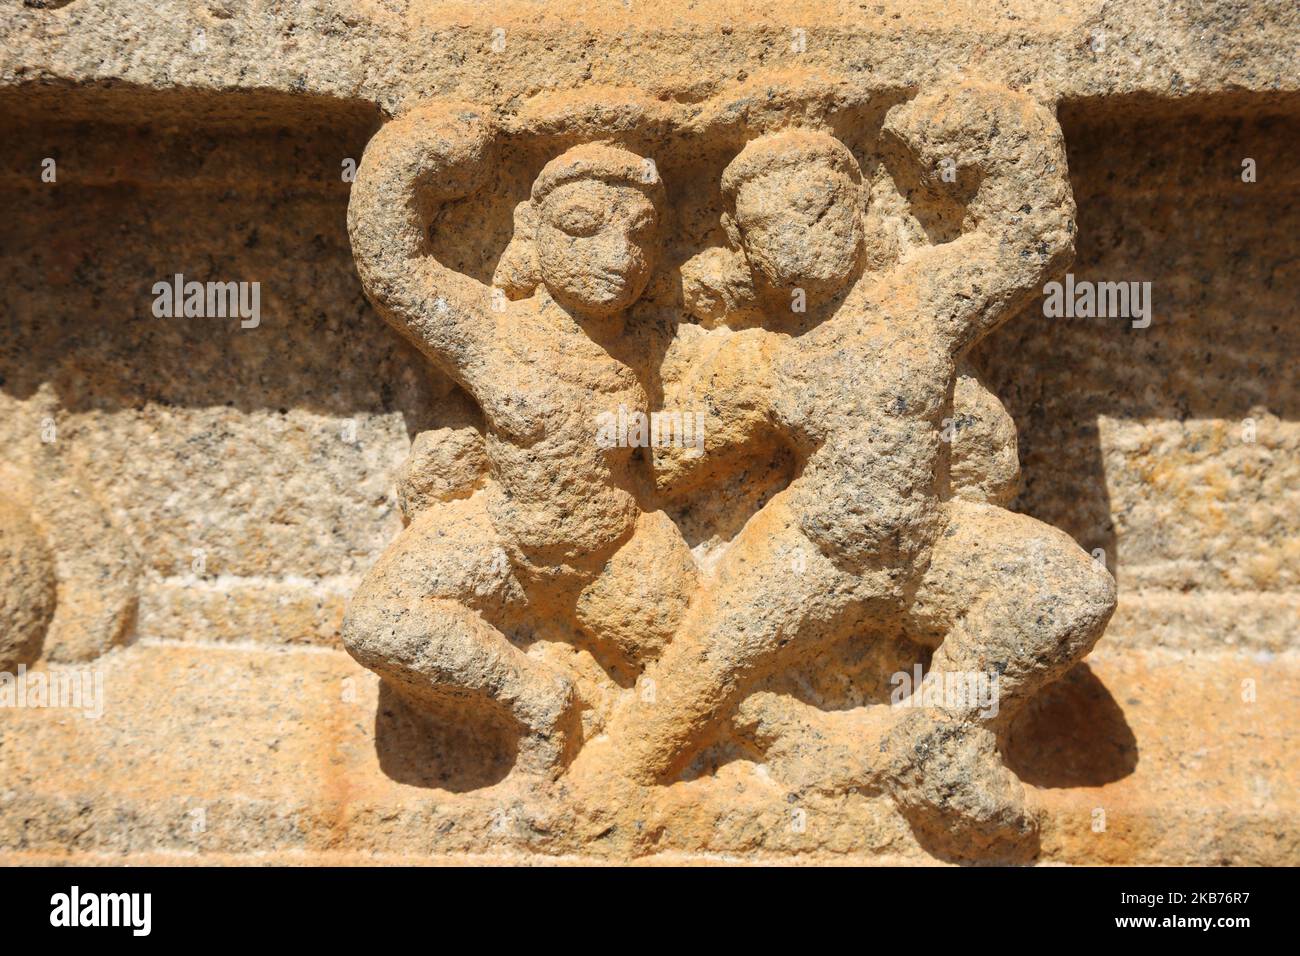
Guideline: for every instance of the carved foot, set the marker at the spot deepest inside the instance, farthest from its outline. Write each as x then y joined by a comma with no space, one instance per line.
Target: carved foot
949,781
552,730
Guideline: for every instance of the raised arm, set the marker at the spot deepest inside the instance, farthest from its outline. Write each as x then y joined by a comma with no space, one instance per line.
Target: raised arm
994,161
413,165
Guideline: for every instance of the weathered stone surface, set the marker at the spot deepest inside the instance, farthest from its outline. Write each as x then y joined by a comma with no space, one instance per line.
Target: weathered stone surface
649,653
294,755
395,52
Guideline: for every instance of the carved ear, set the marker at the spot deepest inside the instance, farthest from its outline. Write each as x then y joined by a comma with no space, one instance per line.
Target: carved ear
517,273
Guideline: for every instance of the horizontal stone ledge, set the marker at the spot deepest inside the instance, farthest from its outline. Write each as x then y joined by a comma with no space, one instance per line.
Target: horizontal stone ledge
327,858
235,609
1205,621
1085,48
244,750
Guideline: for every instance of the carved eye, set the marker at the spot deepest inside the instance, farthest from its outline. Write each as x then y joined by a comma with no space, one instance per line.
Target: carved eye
579,220
815,198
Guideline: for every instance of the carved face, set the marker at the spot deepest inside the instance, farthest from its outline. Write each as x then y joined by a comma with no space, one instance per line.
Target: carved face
801,227
596,244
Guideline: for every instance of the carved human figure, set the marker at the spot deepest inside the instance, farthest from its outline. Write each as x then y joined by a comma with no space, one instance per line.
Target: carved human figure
68,574
27,586
556,537
870,532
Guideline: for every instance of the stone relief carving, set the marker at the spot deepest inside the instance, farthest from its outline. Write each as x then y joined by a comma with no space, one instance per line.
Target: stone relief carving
26,585
68,588
628,607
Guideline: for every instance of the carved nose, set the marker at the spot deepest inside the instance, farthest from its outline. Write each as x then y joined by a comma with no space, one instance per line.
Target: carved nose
618,253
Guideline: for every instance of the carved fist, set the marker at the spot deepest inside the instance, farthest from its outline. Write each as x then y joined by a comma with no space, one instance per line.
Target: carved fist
992,158
965,127
448,149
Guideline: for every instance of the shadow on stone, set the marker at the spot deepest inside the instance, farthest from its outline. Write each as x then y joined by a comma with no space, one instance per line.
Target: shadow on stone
1073,735
460,750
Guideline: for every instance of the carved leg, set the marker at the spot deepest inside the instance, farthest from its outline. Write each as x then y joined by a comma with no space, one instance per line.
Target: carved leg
772,589
1010,595
1007,595
636,604
421,620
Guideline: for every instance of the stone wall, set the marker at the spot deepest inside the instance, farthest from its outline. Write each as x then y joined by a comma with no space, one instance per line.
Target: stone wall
214,494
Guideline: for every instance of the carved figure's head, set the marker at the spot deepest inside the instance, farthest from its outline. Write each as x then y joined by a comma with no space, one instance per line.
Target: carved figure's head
795,206
589,232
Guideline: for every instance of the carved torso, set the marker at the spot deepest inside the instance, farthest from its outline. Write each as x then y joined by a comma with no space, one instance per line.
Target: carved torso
863,400
560,496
